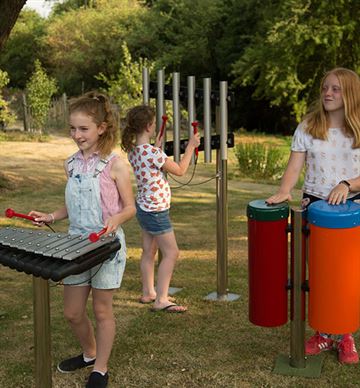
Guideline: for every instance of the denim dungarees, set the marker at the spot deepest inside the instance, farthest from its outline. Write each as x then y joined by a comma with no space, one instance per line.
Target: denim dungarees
83,203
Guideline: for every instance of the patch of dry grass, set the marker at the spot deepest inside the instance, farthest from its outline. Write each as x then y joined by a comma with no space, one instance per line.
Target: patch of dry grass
213,345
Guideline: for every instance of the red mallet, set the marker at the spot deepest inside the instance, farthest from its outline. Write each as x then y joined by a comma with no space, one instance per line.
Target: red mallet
10,213
163,125
93,237
195,127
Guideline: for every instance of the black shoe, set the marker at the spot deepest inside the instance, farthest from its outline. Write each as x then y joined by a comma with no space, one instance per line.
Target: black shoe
74,363
97,380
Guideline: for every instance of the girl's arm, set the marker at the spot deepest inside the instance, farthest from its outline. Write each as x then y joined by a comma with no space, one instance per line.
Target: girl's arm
121,175
49,218
180,168
289,179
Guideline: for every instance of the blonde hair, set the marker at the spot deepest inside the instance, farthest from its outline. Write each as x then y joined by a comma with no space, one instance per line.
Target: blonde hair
317,119
137,119
97,106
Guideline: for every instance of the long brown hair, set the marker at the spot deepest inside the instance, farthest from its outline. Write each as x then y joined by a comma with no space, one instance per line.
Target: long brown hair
97,106
317,119
137,119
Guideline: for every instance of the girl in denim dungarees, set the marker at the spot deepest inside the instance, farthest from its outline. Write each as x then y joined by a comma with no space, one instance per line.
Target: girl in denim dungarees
328,143
98,194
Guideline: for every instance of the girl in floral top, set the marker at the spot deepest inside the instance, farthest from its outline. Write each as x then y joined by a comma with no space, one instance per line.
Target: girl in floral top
328,143
153,202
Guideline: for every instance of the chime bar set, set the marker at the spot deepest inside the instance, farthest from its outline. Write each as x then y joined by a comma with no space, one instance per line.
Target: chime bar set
219,142
327,237
190,94
50,256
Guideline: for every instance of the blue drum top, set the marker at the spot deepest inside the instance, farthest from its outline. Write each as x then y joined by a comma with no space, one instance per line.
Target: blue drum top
345,215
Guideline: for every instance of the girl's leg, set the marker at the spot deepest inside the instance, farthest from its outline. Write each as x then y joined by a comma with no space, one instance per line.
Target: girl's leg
149,248
105,326
170,253
75,299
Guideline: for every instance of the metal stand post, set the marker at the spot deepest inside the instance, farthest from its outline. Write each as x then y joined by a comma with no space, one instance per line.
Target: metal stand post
297,364
222,206
42,338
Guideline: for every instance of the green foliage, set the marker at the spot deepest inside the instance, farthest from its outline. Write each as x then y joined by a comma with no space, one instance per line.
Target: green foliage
69,5
257,160
126,86
40,89
300,40
179,34
25,44
87,41
6,117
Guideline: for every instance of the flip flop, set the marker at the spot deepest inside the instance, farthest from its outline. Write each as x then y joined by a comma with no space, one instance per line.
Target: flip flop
171,309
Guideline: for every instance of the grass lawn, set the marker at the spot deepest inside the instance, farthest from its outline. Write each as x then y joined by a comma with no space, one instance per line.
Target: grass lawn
212,345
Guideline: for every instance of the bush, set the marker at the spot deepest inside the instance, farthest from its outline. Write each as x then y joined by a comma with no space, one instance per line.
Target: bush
258,160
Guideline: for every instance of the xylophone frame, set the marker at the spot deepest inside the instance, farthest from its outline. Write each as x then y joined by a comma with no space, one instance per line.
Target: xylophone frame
41,297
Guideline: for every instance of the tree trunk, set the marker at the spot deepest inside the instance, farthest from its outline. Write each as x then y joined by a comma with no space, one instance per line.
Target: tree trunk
9,11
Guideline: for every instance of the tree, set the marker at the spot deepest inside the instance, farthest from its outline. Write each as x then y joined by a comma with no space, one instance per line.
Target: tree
9,11
125,88
179,35
302,40
84,42
25,44
40,89
6,117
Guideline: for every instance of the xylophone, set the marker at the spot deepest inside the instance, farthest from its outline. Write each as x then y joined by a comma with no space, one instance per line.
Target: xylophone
53,255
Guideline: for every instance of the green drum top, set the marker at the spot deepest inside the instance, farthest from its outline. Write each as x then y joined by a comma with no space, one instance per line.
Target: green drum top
259,210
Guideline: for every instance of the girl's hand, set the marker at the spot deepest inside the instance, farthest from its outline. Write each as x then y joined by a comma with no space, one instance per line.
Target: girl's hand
338,194
278,198
159,140
194,140
41,218
112,225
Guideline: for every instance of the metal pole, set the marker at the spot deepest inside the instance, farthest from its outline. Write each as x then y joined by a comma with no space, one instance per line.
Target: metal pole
42,338
160,101
222,209
191,107
223,119
297,329
176,115
207,120
145,85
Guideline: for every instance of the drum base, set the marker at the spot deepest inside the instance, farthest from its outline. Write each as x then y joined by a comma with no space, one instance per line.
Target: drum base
312,368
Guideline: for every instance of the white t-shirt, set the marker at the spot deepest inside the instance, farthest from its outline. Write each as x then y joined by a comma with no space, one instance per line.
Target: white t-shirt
153,193
327,161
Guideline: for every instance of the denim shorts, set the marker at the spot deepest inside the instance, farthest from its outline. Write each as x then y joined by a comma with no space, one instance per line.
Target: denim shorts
154,223
105,276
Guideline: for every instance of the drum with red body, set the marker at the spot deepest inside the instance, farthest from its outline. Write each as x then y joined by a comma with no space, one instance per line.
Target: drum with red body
268,263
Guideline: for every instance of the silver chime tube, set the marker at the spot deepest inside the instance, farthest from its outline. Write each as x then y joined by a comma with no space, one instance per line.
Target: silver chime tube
145,85
160,100
191,106
207,120
176,115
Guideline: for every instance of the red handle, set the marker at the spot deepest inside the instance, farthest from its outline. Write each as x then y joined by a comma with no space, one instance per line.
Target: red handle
10,213
195,127
164,120
93,237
